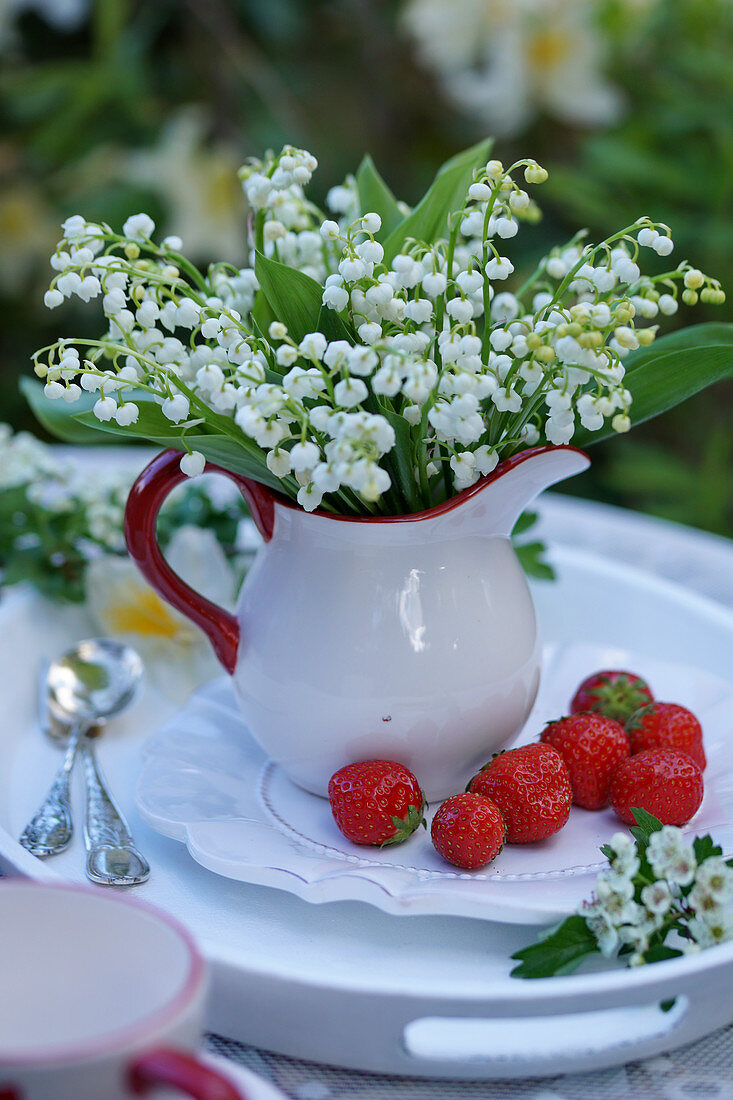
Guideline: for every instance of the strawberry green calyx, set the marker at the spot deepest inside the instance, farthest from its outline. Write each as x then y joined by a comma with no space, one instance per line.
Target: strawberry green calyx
407,825
635,721
614,694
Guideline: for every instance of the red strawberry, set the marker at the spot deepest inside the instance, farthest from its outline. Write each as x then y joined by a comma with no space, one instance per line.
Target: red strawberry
530,785
468,830
591,746
666,726
612,693
376,802
663,782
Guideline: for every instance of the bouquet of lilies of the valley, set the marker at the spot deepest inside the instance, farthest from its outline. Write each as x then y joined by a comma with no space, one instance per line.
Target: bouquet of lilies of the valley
376,361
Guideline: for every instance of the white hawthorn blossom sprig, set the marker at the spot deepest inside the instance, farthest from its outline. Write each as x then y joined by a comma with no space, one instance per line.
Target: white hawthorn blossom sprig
57,519
418,359
659,898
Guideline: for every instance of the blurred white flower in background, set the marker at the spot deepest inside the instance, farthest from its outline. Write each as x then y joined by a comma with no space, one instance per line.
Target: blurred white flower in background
177,655
198,186
504,61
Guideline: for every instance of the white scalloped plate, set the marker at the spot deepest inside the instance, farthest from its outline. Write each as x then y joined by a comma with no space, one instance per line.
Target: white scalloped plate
206,783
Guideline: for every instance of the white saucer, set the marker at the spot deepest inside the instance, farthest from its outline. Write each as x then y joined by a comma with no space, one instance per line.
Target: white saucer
207,784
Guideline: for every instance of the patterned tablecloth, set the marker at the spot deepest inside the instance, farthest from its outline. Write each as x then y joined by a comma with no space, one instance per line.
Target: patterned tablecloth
701,1071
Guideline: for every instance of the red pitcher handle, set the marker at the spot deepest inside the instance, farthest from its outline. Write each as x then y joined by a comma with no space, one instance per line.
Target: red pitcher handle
178,1070
144,502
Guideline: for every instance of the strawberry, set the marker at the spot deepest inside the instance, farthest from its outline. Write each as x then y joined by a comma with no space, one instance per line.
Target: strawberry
376,802
666,726
591,747
612,693
531,787
663,782
468,830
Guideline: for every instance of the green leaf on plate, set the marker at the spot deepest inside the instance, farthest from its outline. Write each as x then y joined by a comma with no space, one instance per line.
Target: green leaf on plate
525,521
375,195
669,371
532,559
559,952
429,220
646,824
705,847
294,298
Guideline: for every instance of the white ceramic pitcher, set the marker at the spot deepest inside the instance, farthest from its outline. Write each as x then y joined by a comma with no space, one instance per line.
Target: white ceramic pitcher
411,638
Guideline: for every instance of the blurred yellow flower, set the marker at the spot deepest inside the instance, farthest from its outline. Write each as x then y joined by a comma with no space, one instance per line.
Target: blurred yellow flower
177,655
506,60
27,235
198,186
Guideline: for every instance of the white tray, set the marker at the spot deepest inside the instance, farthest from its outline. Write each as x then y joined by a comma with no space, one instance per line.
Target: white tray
206,783
345,983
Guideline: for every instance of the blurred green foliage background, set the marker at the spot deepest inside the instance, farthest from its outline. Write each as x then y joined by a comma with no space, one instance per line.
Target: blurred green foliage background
109,107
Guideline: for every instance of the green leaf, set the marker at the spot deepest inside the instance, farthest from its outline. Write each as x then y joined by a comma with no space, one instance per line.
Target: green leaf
669,371
646,824
560,952
525,521
531,558
234,456
694,336
334,327
705,847
398,461
58,418
262,313
375,195
151,425
294,298
429,220
659,952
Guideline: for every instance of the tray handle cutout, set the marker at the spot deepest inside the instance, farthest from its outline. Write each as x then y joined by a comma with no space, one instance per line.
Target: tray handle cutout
571,1034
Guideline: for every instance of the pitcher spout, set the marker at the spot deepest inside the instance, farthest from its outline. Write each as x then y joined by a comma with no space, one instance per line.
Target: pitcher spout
496,502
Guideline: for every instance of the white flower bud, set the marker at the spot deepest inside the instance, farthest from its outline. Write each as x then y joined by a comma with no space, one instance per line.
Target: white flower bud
52,298
479,192
127,414
105,408
349,392
176,408
138,226
278,462
304,456
329,230
193,464
667,305
371,222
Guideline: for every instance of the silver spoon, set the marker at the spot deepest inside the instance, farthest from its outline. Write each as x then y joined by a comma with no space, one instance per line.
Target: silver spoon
89,684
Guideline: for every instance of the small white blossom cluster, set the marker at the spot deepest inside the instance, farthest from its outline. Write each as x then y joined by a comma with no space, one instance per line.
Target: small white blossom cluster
419,358
92,508
663,890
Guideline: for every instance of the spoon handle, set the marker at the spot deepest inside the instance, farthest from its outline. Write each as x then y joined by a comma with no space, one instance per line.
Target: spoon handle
51,828
112,858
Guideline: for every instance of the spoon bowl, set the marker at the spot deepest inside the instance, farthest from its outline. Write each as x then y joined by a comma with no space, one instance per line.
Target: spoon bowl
85,687
96,679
